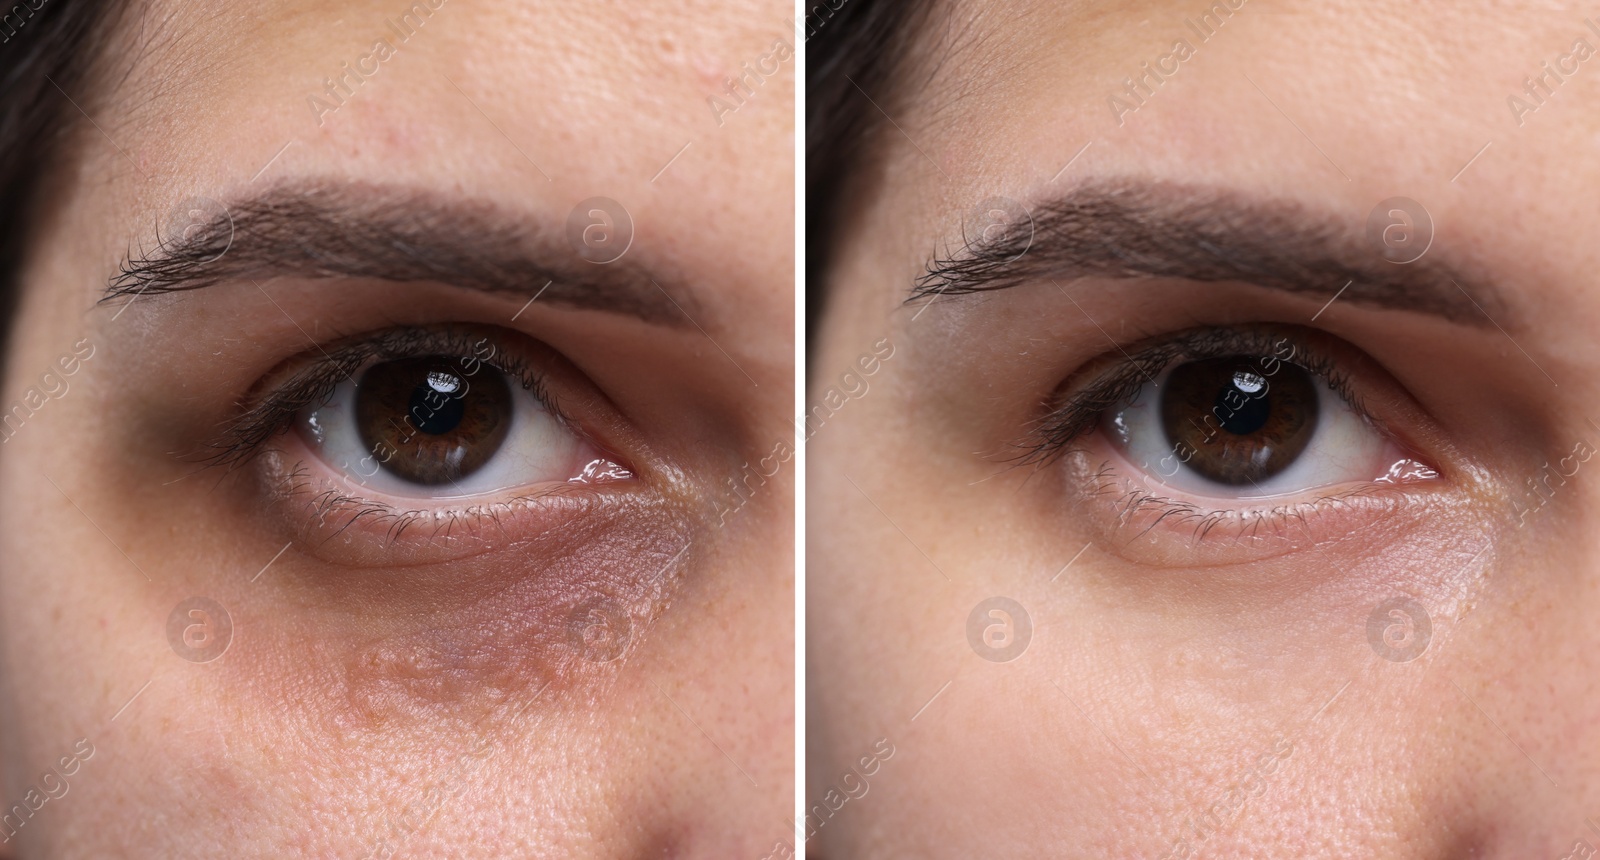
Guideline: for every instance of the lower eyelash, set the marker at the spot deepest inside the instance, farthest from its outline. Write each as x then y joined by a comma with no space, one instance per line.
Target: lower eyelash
333,508
1134,499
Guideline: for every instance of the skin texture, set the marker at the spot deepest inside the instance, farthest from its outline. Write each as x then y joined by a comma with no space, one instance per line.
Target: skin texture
1219,696
417,693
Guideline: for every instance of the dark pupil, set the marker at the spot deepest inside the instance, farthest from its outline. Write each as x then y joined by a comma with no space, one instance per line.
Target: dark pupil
1244,387
436,404
1239,420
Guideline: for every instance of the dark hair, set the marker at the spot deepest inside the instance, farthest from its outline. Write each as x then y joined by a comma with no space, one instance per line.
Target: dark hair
854,59
49,51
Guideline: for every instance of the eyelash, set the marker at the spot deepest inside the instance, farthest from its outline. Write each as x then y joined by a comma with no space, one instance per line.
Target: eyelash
1133,502
1077,414
334,506
274,409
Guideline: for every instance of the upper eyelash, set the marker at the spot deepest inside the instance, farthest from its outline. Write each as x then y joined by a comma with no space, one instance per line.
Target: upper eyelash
1080,411
272,411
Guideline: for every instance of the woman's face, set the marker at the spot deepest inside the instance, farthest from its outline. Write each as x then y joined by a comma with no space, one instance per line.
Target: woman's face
409,500
1287,571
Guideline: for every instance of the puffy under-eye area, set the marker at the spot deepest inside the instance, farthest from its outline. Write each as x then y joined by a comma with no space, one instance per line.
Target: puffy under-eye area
541,626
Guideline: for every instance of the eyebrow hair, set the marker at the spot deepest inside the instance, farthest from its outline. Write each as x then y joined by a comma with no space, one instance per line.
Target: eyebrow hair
324,230
1134,230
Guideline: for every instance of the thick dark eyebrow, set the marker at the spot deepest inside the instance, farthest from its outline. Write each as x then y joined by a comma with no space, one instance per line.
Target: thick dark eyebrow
324,229
1150,230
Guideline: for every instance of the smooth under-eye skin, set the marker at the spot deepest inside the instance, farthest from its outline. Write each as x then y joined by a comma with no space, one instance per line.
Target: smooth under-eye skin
540,659
1235,679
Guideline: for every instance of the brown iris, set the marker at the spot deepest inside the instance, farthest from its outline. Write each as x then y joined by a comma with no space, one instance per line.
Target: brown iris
1239,420
428,421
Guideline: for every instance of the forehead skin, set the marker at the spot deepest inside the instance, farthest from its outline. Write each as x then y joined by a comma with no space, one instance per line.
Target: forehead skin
532,107
1398,98
529,105
1015,90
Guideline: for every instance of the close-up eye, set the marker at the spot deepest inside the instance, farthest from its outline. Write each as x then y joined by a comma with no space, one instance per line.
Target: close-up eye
444,425
1251,426
1247,426
456,428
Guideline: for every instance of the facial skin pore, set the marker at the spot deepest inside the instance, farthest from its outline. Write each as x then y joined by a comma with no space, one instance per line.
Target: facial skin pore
1188,693
595,669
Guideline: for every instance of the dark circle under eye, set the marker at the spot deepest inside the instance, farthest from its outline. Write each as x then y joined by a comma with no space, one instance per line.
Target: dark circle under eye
428,421
1242,419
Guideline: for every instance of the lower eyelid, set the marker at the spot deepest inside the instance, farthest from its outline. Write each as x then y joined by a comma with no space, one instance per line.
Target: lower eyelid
428,628
1152,525
349,525
498,652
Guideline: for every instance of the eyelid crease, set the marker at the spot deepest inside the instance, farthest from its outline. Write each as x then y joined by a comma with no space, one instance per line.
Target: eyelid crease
1080,411
273,409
